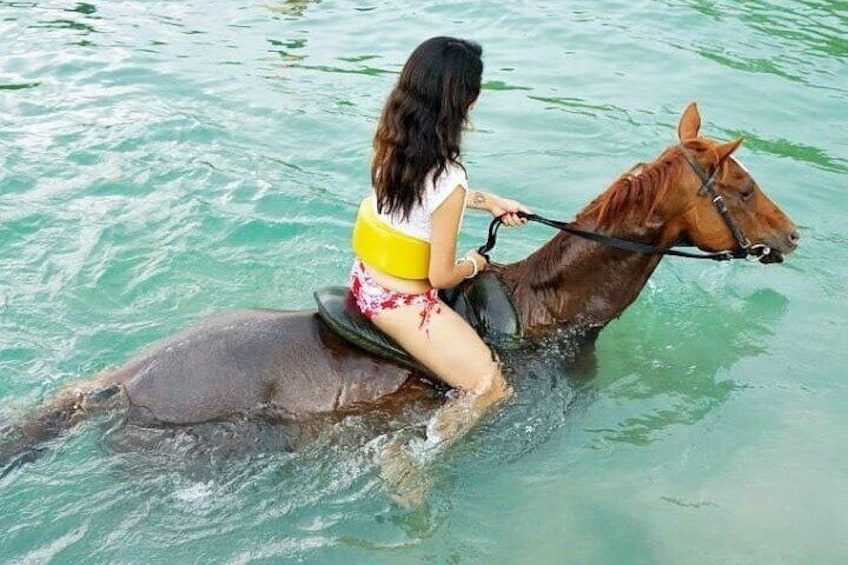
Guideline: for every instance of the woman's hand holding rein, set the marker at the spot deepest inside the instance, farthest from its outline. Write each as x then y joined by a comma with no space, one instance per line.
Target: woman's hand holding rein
504,208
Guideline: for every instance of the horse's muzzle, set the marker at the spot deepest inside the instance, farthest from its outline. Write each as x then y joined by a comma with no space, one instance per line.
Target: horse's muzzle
780,246
773,256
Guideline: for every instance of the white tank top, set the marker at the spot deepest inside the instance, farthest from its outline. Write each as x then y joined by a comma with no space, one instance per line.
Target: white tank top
419,224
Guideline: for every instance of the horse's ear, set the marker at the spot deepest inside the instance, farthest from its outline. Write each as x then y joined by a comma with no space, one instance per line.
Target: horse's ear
690,123
724,150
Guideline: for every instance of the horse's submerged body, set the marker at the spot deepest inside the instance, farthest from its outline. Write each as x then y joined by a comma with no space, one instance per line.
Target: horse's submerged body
232,363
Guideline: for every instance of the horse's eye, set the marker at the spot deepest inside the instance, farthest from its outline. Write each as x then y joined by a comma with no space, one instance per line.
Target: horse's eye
746,194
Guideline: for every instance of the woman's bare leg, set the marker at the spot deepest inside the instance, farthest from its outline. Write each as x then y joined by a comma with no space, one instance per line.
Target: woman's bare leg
456,354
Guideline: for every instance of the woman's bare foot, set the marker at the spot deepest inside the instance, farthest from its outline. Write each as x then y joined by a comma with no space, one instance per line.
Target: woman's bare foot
405,478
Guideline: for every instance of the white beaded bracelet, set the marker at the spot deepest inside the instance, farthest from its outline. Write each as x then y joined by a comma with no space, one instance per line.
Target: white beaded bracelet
474,268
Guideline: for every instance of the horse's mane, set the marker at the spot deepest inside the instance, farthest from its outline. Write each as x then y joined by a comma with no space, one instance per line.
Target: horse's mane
630,199
633,196
628,203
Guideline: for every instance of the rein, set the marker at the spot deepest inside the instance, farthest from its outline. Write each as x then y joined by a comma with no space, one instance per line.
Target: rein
746,249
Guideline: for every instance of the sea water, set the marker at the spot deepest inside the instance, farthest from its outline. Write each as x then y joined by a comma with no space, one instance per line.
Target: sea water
162,161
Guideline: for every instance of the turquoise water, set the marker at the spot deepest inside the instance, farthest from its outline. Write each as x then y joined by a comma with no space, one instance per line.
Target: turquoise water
162,161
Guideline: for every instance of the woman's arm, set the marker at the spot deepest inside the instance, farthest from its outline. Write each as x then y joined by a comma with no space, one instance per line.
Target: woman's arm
478,200
445,272
497,206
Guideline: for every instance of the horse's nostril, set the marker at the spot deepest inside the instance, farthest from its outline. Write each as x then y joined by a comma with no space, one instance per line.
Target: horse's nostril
794,237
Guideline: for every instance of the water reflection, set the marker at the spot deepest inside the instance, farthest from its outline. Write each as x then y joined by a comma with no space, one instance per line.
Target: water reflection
674,373
20,86
802,42
293,8
360,70
587,108
18,4
820,26
66,24
285,48
499,85
740,62
291,51
83,8
794,150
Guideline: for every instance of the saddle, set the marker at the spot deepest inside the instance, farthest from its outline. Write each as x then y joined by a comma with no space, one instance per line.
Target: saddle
483,302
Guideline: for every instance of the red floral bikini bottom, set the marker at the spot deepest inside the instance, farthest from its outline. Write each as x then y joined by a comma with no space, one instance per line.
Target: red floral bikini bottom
372,298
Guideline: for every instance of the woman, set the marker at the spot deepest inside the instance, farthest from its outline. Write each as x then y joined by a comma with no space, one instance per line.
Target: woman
406,233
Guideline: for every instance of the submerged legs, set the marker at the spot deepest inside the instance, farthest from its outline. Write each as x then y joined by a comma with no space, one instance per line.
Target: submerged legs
450,348
23,441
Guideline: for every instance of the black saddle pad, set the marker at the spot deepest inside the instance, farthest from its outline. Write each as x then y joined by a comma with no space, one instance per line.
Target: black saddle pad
337,308
483,302
486,305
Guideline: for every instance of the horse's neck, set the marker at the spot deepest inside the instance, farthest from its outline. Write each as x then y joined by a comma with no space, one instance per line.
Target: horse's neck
572,282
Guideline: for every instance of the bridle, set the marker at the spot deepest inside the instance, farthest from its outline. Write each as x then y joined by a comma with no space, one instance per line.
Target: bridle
746,250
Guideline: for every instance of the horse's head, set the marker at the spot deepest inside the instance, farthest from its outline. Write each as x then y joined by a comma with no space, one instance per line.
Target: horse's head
708,178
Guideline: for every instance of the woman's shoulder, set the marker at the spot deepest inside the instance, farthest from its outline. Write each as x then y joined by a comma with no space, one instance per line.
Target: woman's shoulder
453,175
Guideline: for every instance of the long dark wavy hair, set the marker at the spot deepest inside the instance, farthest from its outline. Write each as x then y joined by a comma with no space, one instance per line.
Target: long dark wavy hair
421,125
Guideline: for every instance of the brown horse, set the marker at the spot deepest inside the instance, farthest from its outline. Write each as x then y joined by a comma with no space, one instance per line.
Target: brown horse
232,363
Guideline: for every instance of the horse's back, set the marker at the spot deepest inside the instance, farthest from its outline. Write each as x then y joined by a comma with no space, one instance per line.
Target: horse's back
233,362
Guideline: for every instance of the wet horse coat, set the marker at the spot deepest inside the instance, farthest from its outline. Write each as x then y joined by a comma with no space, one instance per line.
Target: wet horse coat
249,357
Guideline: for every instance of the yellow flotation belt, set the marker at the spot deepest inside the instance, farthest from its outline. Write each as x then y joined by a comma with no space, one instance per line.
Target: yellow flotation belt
386,248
